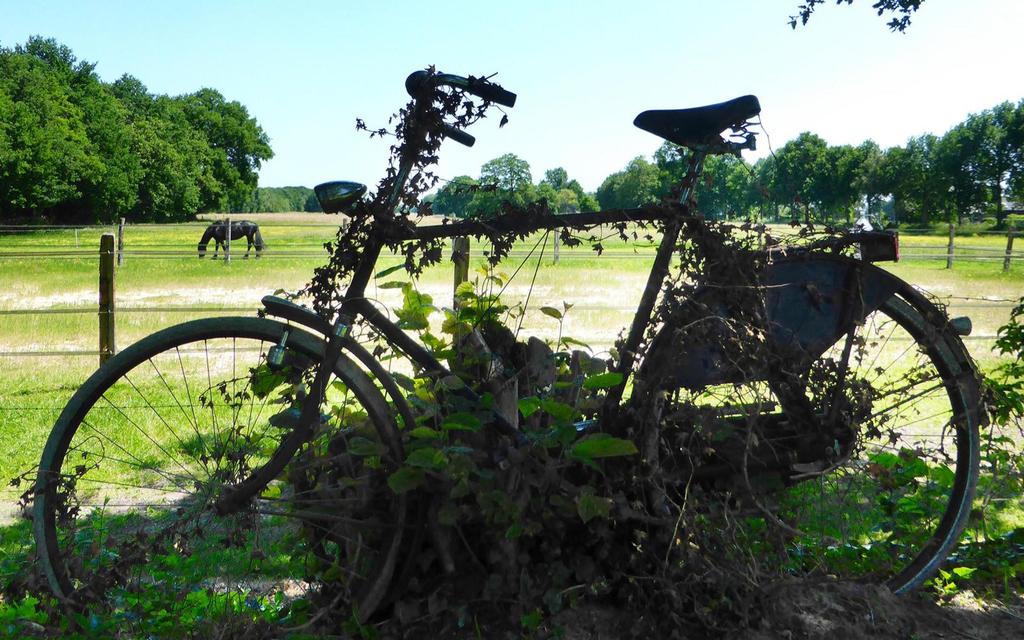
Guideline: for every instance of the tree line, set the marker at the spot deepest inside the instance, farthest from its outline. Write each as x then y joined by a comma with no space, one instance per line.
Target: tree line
969,173
508,178
76,149
279,199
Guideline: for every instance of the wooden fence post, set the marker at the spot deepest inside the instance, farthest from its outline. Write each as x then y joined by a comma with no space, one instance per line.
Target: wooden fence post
227,241
1010,232
557,243
108,344
949,249
460,259
120,243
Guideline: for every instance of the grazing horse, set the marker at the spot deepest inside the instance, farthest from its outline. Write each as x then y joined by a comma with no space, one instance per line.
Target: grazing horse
218,233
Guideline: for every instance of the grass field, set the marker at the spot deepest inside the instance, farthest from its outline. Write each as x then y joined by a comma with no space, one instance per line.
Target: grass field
162,282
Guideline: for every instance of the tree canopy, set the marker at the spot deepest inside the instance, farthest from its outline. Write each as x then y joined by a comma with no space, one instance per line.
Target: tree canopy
970,172
508,178
900,10
75,148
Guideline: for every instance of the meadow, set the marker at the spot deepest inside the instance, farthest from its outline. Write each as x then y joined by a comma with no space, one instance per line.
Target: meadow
48,323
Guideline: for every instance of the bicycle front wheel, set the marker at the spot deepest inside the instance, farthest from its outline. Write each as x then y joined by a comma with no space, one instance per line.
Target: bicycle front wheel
130,478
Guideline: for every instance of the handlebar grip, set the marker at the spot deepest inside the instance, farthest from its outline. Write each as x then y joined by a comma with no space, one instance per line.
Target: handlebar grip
491,92
458,135
481,87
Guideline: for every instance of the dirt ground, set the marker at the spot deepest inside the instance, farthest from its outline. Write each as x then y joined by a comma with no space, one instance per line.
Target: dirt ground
819,611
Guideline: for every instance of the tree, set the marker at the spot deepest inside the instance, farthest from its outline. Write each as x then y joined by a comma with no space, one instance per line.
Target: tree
580,200
637,185
899,22
113,189
74,147
1015,139
870,180
760,189
508,173
835,183
454,198
46,156
724,190
238,146
557,178
797,177
957,159
998,132
505,179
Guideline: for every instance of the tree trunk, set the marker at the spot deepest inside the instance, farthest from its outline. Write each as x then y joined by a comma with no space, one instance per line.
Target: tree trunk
997,192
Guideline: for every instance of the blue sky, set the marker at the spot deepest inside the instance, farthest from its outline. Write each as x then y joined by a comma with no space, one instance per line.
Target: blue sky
583,70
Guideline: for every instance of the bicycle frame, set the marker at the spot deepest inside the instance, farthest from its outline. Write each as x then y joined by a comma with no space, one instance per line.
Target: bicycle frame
356,304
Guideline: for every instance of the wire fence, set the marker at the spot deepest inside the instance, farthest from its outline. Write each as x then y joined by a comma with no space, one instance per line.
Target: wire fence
29,408
147,249
957,247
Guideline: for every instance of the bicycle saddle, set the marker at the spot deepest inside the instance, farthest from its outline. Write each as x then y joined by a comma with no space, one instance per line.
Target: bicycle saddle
699,125
337,197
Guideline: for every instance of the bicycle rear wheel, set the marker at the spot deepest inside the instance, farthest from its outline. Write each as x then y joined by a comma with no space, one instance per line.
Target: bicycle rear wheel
130,478
882,490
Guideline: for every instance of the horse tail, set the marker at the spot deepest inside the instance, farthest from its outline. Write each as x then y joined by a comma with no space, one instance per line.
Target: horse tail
257,239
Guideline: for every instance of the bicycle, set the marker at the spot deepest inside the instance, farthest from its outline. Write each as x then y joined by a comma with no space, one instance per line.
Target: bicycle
224,446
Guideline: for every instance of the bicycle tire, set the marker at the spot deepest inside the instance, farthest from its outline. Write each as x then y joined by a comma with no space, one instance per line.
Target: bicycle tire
918,413
134,464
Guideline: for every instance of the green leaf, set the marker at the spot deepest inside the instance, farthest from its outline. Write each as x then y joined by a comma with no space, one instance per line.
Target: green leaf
387,272
884,459
426,433
964,572
603,380
465,290
551,311
532,620
589,507
601,445
461,421
361,446
405,479
529,406
560,411
426,458
567,341
391,284
263,381
942,475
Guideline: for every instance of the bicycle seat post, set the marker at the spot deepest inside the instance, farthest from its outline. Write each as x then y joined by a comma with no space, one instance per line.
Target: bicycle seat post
694,168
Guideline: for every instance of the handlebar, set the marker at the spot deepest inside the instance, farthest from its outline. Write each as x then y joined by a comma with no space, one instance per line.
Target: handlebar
420,82
480,87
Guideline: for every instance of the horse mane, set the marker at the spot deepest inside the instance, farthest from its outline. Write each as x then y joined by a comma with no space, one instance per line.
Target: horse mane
208,235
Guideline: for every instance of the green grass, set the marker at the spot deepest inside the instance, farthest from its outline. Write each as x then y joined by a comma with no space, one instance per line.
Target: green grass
35,388
604,289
